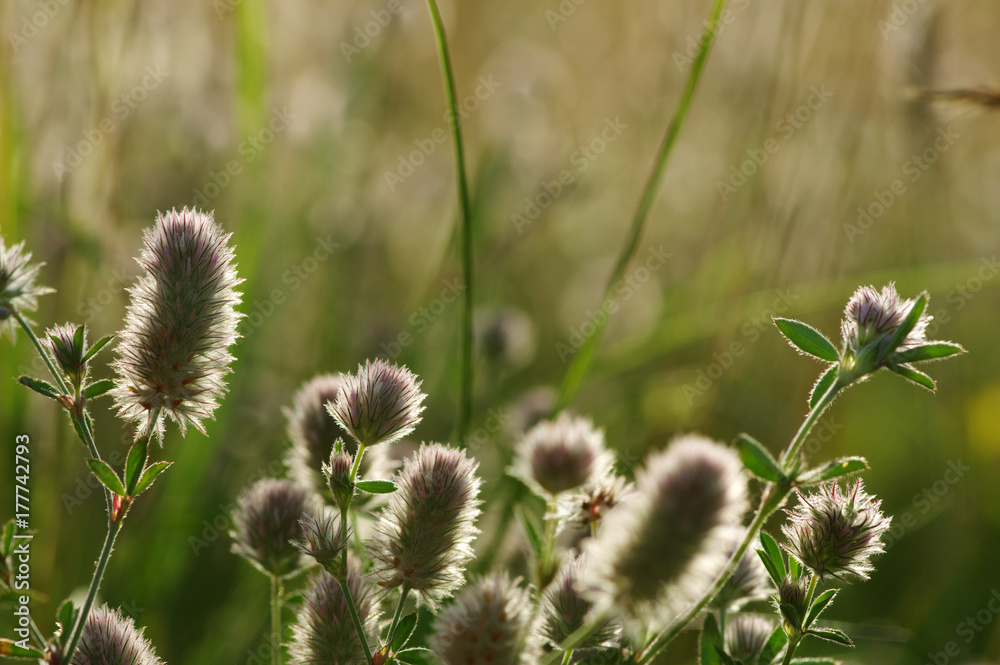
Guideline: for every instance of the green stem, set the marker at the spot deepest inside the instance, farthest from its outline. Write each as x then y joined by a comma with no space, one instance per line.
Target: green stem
465,209
357,462
567,656
581,361
276,592
95,584
36,632
792,451
391,635
352,608
41,351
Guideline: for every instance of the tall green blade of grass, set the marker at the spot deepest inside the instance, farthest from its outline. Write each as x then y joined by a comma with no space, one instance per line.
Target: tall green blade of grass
465,219
580,364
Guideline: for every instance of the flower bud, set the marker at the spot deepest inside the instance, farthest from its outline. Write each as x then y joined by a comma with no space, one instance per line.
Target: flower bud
68,354
109,638
324,632
562,455
381,404
265,523
18,291
792,602
338,476
321,538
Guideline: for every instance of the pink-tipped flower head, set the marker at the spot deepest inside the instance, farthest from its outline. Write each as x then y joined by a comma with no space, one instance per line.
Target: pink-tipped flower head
380,404
173,354
424,536
267,521
664,542
562,455
835,532
872,317
110,638
18,291
746,635
323,632
566,605
489,622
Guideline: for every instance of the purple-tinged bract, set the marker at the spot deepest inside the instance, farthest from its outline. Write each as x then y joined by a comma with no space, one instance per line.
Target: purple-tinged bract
380,404
173,354
323,632
423,538
267,521
110,638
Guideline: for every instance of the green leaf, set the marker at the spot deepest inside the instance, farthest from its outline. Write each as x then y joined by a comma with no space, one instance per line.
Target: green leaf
822,385
758,460
835,468
807,339
924,352
149,475
403,631
97,347
710,642
831,635
416,656
790,614
40,387
772,570
773,551
65,618
376,486
10,649
794,568
725,657
135,463
98,388
821,603
773,647
531,530
107,476
78,341
909,322
914,375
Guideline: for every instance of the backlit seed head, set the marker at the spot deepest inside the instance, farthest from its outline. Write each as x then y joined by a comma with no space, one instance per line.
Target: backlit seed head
562,455
380,404
173,353
834,532
320,537
323,632
267,521
18,291
661,544
424,535
749,582
110,638
68,356
565,606
594,502
746,635
489,622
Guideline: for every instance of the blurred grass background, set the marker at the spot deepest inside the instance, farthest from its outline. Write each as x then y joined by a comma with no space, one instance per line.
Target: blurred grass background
165,97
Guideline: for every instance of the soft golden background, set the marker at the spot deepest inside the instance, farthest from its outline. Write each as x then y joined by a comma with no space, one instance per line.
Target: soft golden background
163,97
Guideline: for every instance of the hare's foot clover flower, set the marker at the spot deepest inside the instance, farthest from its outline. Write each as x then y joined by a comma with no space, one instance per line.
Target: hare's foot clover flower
562,455
267,520
565,606
18,291
746,635
322,537
323,633
423,538
173,354
380,404
109,638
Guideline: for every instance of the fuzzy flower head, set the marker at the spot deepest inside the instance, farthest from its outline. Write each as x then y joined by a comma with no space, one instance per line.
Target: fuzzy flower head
834,532
791,602
565,606
323,632
562,455
489,622
173,354
664,542
872,318
68,345
423,537
746,635
594,502
380,404
321,537
749,582
110,638
267,521
18,291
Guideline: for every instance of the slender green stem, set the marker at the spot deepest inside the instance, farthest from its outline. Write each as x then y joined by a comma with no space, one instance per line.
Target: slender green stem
812,591
342,578
276,592
567,656
793,644
581,361
357,462
95,584
36,632
465,209
792,451
405,591
358,626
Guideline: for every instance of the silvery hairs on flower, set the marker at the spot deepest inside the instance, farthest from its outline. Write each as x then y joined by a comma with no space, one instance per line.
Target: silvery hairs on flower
379,404
266,522
423,537
487,623
562,455
323,632
173,354
565,607
834,532
661,546
18,291
109,638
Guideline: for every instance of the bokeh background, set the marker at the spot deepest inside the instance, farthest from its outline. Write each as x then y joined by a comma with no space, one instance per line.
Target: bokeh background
315,130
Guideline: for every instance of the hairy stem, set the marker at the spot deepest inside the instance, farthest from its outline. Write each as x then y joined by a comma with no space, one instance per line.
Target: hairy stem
95,584
276,592
581,361
355,617
465,218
